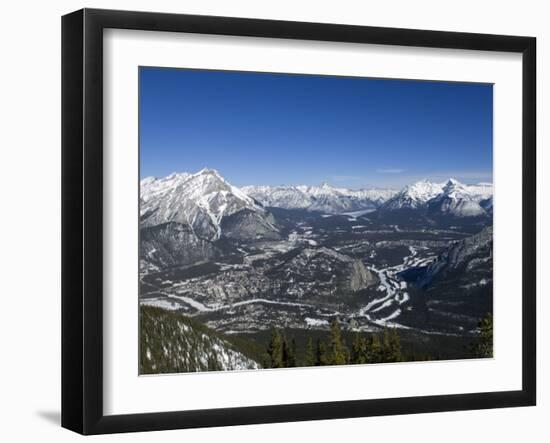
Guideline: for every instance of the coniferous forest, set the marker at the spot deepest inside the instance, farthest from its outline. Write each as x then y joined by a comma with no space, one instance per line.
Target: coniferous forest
171,342
334,351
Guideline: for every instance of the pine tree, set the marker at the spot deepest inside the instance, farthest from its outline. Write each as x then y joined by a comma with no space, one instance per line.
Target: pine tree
374,350
393,353
320,354
309,359
355,355
484,349
286,352
359,350
385,346
289,353
292,354
337,353
275,350
266,360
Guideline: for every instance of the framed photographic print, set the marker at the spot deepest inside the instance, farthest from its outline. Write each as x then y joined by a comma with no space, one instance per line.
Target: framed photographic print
269,221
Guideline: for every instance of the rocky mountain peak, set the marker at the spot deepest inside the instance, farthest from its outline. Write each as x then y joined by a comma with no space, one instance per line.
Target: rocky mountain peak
200,200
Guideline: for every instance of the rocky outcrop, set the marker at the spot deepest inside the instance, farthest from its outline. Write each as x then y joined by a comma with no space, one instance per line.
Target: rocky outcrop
465,251
248,225
361,277
172,244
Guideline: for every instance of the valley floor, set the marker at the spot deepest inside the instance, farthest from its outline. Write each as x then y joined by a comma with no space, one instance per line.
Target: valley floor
345,267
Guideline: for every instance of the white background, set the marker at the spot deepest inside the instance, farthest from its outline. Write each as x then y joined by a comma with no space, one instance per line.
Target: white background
30,221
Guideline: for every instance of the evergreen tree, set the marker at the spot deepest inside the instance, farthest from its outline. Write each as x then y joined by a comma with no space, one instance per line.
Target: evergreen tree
374,354
320,354
359,350
275,350
292,354
289,353
393,353
337,352
386,346
309,359
266,360
484,349
286,352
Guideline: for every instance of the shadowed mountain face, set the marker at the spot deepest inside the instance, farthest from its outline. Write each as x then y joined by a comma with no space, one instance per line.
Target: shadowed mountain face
172,244
245,260
474,254
456,289
250,225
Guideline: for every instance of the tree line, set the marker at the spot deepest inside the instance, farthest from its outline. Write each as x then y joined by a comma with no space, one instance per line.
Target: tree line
384,347
484,347
372,348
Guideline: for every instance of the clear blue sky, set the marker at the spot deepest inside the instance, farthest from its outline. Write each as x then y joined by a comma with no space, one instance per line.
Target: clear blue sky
258,128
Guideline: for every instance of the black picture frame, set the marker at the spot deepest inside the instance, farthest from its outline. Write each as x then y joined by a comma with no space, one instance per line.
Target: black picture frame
82,215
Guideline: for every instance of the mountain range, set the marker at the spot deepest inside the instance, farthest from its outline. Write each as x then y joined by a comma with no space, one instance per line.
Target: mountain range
323,198
234,261
205,202
448,198
208,204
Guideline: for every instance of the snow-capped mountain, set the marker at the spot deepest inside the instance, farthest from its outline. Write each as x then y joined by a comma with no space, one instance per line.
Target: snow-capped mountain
456,199
202,201
447,198
481,191
287,197
323,198
211,207
414,196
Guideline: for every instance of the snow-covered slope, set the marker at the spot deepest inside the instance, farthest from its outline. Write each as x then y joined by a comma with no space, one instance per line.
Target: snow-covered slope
287,197
481,191
201,201
170,342
206,202
414,196
323,198
457,200
447,198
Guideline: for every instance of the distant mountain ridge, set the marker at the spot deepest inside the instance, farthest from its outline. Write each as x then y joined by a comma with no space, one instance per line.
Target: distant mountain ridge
323,198
211,207
448,198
